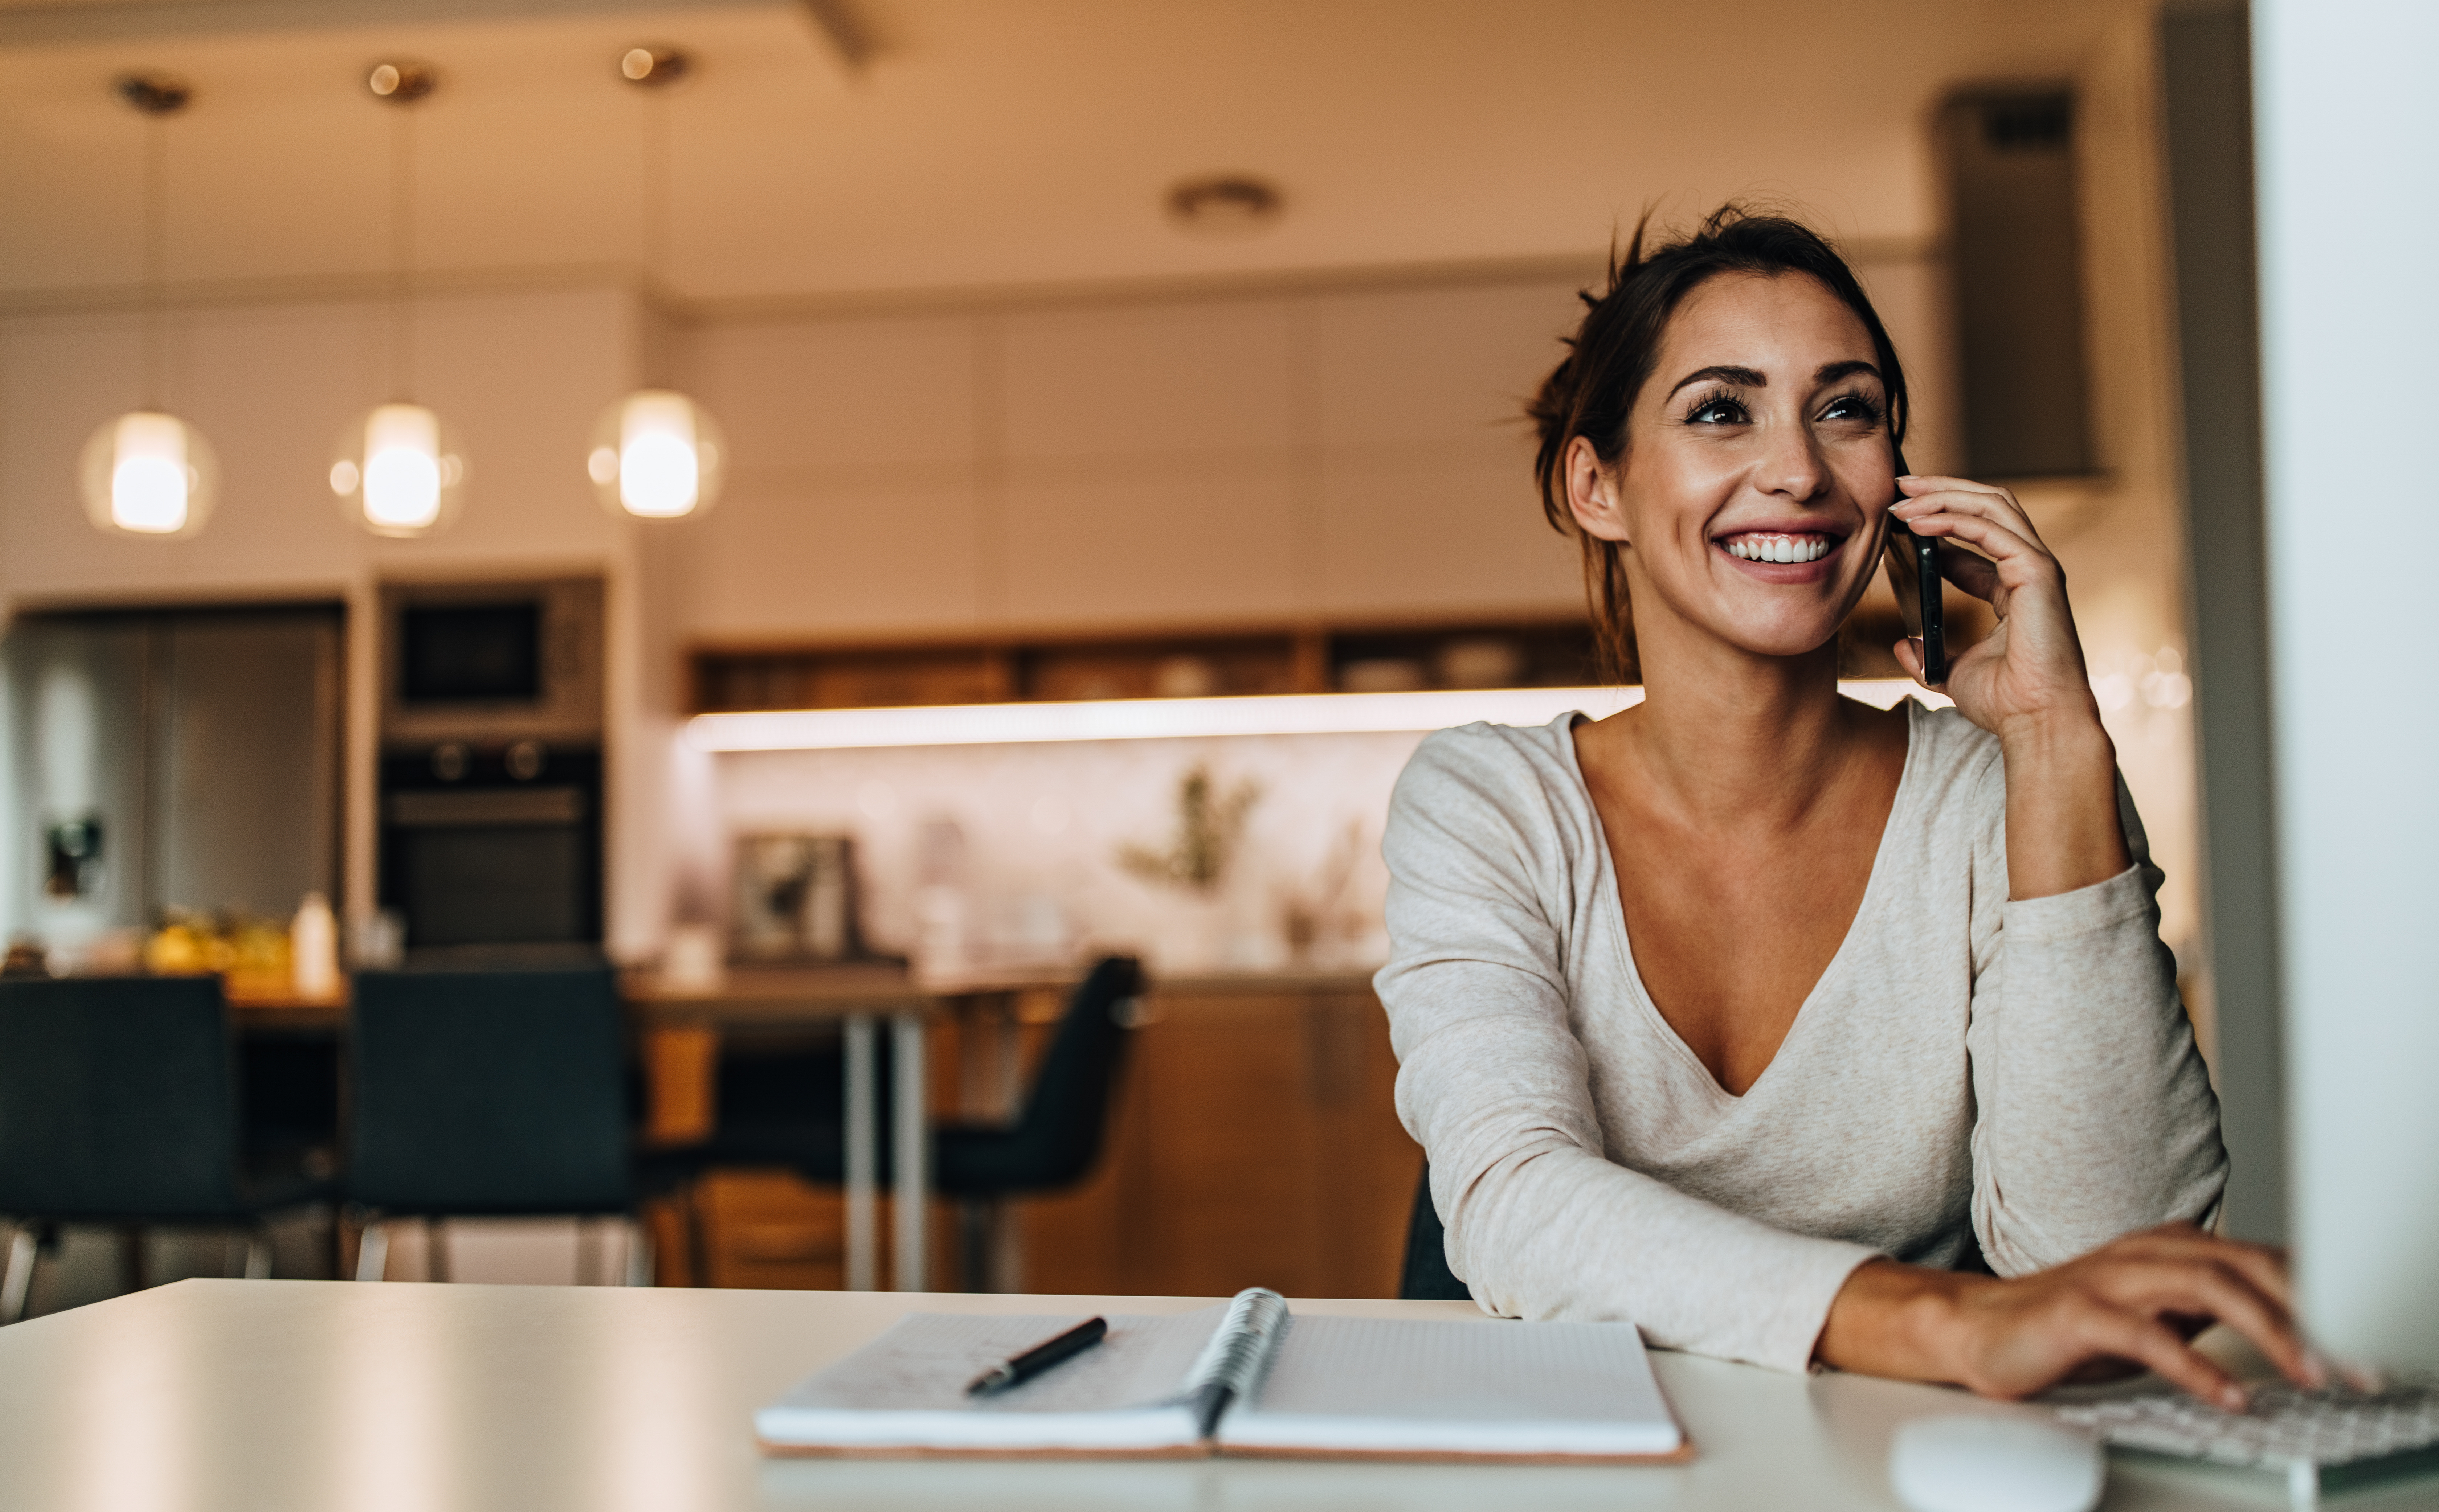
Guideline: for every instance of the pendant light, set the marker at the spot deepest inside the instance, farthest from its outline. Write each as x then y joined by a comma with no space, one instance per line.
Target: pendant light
399,471
148,473
656,454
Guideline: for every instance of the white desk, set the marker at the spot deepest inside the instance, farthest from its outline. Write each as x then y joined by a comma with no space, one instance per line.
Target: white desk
318,1396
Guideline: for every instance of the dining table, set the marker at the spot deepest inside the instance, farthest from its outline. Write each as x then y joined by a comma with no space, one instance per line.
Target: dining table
678,1022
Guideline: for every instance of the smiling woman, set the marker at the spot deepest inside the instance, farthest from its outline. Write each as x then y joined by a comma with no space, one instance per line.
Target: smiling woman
1793,1029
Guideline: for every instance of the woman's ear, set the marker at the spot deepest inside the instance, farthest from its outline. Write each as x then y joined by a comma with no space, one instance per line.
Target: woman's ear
1591,492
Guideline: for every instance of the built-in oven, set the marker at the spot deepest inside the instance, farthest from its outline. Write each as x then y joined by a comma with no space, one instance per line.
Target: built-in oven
490,771
494,844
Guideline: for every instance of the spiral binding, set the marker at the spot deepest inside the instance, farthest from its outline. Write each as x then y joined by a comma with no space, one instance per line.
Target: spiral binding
1241,1345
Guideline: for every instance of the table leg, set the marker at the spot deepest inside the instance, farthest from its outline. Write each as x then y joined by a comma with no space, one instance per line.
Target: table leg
912,1148
863,1151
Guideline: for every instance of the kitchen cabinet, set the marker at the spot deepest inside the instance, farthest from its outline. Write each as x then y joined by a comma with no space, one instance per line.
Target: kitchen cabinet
1129,463
1255,1143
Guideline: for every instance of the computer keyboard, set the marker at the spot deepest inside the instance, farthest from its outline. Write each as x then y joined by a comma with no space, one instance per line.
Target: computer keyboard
2318,1439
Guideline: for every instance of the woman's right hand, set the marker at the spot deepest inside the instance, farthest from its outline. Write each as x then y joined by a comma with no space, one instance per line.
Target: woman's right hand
2131,1304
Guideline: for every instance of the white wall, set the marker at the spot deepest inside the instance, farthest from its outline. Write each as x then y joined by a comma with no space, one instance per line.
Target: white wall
521,375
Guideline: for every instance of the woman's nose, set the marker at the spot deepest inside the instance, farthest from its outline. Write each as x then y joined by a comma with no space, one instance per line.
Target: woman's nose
1792,466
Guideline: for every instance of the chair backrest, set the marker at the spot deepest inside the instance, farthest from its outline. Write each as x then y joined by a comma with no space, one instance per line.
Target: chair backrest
488,1092
1067,1111
1428,1277
117,1100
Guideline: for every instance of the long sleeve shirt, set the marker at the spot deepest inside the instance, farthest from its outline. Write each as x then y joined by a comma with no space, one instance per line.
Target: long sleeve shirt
1970,1069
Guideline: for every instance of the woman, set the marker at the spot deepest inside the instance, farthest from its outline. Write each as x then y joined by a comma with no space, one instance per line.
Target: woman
1763,1017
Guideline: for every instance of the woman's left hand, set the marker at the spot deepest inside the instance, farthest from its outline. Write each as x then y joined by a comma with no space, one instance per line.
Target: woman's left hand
2030,671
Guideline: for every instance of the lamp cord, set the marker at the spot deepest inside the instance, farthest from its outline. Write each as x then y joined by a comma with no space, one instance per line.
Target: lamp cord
401,255
654,168
656,186
156,256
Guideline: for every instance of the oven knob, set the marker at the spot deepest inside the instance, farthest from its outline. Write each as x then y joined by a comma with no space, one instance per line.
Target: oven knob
449,762
524,760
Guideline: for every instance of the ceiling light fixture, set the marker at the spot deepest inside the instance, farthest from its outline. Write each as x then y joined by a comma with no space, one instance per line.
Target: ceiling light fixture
148,473
399,471
1225,205
656,454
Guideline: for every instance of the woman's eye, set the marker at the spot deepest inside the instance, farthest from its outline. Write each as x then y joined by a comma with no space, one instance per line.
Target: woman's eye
1852,407
1717,412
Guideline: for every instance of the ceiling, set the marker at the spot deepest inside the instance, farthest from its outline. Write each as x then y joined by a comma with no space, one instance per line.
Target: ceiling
855,146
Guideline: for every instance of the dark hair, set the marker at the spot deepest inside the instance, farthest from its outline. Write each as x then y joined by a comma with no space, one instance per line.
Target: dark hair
1613,352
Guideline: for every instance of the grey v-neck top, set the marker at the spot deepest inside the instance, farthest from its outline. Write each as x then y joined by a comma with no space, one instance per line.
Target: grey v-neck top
1968,1069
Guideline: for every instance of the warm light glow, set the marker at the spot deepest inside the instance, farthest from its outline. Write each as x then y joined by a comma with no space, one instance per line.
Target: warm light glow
149,478
147,474
655,455
658,475
1187,718
402,467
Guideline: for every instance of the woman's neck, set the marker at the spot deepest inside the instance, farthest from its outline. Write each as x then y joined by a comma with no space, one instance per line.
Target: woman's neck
1726,735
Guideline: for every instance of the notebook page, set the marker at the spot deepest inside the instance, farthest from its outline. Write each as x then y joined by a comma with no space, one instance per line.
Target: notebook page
1388,1386
907,1388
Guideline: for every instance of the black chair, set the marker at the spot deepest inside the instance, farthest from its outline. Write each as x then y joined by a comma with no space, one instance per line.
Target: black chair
787,1112
1428,1277
120,1104
497,1093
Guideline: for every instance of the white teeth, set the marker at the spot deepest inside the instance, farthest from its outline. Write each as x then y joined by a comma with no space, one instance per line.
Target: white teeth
1778,548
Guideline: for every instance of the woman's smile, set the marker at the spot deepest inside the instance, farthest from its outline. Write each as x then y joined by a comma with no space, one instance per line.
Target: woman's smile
1783,555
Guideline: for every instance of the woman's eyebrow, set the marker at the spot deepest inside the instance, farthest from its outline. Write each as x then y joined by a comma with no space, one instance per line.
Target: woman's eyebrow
1741,377
1831,372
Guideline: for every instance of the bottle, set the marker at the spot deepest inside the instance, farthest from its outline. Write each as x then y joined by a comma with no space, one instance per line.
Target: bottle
313,949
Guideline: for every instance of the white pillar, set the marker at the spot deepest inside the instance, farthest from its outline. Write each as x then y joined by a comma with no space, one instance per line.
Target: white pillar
2348,133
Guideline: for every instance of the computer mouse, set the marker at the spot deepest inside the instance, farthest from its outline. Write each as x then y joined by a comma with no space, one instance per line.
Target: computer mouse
1989,1464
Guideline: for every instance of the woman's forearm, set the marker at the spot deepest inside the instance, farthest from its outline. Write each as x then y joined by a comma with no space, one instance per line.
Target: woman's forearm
2063,832
1892,1320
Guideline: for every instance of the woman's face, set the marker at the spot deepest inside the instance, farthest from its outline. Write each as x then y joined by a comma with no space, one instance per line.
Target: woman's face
1757,472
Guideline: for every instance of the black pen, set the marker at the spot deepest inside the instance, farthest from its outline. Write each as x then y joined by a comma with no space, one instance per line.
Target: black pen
1039,1357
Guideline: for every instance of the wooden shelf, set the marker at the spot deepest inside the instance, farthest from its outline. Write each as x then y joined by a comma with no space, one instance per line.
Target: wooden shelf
1512,651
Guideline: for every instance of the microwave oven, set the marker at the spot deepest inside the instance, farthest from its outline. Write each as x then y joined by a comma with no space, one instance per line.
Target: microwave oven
491,661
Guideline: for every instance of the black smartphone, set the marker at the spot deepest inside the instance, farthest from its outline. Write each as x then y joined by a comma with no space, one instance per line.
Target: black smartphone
1913,563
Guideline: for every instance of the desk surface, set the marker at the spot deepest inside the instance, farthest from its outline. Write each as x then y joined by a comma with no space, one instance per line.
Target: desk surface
272,1396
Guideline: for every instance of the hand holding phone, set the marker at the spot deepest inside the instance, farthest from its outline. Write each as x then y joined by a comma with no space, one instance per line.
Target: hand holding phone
1913,563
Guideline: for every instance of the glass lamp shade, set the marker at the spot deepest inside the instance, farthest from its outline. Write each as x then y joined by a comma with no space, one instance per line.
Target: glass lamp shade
657,455
148,475
399,470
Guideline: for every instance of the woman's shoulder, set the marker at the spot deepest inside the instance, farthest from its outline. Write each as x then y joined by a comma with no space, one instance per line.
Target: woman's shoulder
1517,779
1494,757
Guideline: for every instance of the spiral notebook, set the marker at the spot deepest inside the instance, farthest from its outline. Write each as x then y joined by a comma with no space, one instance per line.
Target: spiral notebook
1246,1378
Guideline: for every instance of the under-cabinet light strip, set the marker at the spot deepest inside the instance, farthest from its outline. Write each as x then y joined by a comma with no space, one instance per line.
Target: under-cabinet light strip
1181,719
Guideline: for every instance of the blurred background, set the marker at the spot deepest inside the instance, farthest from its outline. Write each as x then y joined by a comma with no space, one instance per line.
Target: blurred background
1037,356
